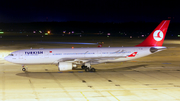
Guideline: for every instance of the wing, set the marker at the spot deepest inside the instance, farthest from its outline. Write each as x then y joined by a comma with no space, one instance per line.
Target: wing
94,59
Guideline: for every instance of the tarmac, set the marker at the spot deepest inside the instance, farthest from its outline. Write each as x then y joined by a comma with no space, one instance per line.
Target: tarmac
152,78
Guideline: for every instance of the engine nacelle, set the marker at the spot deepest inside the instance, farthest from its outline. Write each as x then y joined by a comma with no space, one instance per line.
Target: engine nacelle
74,65
63,66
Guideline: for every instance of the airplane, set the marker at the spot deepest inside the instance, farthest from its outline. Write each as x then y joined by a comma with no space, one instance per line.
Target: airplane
69,58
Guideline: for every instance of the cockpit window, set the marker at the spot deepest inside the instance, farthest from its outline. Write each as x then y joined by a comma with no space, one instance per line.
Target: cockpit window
11,55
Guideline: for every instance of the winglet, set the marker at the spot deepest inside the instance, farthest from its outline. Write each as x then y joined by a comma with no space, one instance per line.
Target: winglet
156,38
133,54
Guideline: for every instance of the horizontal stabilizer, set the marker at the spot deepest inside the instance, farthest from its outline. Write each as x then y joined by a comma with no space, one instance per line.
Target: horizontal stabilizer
133,54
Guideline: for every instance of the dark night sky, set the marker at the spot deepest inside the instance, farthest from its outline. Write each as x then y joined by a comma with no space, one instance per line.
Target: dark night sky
88,10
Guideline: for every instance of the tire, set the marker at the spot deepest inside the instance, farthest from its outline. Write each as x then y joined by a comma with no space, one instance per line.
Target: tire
23,69
83,67
93,70
87,69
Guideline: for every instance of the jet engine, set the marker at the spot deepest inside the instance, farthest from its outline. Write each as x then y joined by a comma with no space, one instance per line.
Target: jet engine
63,66
74,65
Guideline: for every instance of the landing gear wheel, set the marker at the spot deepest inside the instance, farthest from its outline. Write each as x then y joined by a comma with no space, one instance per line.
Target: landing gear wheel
83,67
93,70
87,69
23,69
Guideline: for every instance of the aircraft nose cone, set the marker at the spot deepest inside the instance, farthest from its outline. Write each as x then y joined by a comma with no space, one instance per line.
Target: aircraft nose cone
9,59
6,58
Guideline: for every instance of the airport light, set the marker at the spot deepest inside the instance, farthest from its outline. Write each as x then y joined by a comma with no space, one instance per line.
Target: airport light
1,32
48,32
45,33
40,31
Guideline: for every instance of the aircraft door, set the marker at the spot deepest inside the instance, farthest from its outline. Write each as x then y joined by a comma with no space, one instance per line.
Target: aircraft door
99,53
46,54
21,55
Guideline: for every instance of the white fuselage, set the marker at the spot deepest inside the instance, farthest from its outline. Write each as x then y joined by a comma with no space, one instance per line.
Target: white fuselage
95,55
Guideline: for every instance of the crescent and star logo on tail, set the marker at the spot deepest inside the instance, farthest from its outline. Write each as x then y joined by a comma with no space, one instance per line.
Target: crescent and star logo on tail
158,35
156,38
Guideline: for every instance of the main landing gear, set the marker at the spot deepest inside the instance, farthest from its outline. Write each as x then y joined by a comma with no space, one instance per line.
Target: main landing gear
90,69
87,67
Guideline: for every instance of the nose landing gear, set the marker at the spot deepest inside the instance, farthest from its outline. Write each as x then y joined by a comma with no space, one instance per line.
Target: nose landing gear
23,68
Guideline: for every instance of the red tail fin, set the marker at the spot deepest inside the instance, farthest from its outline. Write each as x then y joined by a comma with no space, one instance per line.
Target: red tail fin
156,38
100,45
133,54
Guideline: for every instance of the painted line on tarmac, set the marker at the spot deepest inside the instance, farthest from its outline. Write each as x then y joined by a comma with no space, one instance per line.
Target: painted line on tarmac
84,96
166,63
90,90
113,96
